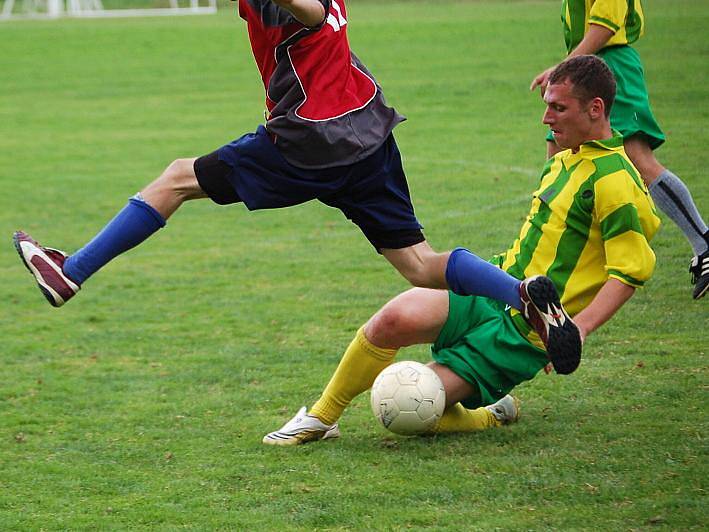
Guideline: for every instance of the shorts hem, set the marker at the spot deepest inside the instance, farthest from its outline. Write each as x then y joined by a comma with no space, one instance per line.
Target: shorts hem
652,140
212,176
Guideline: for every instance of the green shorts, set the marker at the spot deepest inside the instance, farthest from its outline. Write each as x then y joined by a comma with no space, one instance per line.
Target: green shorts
631,113
480,343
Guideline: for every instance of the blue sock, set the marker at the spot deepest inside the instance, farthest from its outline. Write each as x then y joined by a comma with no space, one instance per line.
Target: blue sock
469,275
136,222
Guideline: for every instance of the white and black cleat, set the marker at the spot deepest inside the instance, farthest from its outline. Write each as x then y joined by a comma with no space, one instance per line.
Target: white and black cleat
543,311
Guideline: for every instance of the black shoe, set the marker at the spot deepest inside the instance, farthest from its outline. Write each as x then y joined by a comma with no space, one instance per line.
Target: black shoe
699,268
560,335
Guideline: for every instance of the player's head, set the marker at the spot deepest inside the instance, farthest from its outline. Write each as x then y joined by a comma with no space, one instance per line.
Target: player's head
579,97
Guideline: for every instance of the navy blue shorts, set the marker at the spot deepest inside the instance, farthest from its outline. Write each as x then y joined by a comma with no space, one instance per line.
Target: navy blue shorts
373,193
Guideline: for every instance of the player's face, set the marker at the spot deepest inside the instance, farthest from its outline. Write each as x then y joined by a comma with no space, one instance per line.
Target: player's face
567,117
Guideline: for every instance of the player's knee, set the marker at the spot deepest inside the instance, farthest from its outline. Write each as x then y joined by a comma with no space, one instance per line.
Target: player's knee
178,170
179,178
390,326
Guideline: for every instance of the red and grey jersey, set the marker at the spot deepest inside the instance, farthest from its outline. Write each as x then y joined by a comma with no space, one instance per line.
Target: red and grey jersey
325,108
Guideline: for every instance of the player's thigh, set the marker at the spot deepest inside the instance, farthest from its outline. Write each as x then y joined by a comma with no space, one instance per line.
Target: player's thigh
642,156
413,317
456,387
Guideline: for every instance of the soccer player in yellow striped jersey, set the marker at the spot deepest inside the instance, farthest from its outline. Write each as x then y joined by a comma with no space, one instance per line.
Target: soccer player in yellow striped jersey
607,28
591,217
588,230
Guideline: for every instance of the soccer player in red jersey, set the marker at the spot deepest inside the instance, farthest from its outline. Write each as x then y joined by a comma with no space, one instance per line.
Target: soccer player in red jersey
327,136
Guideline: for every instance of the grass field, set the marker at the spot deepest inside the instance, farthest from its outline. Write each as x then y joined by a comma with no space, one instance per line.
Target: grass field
142,403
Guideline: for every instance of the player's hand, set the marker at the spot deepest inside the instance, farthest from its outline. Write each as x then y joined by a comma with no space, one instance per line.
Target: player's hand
541,81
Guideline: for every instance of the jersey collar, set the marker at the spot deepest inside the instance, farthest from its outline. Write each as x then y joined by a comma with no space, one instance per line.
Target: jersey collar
612,144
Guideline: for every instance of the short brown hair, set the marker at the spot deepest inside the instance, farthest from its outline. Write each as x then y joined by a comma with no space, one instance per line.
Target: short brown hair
590,76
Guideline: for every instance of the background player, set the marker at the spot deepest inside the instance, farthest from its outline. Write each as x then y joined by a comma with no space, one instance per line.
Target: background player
588,229
607,28
328,136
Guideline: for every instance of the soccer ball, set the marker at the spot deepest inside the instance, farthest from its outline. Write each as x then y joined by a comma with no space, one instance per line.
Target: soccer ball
408,398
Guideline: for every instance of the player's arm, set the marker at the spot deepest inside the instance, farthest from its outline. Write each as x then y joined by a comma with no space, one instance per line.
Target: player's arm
629,259
595,39
308,12
608,300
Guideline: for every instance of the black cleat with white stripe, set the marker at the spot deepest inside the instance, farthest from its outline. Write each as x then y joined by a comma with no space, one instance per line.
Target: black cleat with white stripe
543,311
699,268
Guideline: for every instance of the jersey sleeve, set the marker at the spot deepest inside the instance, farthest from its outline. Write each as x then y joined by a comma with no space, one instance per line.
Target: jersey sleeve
610,14
629,257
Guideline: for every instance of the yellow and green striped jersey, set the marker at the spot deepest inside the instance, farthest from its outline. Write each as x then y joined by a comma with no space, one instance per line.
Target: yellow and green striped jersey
623,17
591,219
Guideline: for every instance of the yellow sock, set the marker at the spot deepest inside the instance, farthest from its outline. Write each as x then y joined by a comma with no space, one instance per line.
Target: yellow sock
360,365
457,418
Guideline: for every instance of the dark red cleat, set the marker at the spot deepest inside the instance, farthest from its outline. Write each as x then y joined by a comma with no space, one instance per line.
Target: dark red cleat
45,264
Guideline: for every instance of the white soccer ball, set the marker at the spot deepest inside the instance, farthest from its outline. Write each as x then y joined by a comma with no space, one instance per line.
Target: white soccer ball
408,398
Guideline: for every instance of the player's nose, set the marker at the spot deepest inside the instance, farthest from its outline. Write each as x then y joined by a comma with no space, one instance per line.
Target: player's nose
548,117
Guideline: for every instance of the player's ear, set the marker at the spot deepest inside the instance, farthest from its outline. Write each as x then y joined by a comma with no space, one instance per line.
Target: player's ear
597,108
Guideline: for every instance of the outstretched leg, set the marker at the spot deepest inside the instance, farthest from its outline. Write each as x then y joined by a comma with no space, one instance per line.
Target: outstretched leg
467,274
59,276
460,270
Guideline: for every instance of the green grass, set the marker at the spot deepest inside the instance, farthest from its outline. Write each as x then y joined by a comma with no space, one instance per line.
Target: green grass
142,403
